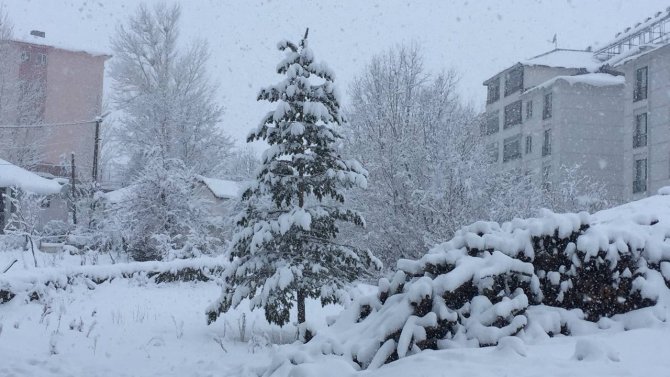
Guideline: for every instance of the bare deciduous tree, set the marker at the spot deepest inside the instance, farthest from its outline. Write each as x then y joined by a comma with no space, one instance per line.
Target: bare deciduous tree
429,170
21,103
168,101
419,144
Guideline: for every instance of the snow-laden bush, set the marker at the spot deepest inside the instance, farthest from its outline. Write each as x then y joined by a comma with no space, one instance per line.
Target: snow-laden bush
162,217
555,274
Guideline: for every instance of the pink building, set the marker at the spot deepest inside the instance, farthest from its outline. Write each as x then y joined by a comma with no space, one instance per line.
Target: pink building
70,83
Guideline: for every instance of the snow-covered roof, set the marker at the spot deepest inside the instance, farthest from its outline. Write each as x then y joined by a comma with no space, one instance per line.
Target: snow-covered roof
50,41
592,79
564,58
559,58
119,195
14,176
632,54
637,28
222,188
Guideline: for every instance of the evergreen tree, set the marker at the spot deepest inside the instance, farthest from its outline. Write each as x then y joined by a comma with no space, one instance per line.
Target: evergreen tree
285,246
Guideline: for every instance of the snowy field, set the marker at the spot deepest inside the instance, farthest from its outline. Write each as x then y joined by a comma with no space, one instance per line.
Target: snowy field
132,326
127,328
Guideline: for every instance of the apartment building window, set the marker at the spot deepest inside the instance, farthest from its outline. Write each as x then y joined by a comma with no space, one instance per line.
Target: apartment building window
546,143
41,59
640,91
529,144
546,110
640,175
492,123
2,209
493,91
640,132
513,80
529,109
512,114
492,151
512,148
546,175
25,56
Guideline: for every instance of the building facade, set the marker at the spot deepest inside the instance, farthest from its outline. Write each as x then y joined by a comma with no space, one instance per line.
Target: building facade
57,97
606,111
41,198
544,116
646,107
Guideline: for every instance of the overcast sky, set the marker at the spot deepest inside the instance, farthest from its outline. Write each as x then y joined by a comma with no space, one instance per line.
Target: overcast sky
478,38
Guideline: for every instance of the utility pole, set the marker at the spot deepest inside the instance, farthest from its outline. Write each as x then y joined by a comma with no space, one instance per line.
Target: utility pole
96,146
72,185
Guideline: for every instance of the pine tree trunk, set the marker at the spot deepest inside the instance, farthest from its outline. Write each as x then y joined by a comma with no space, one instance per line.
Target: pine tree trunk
301,306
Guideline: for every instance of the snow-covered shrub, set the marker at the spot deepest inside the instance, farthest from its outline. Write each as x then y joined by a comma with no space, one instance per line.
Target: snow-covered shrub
162,217
25,219
555,274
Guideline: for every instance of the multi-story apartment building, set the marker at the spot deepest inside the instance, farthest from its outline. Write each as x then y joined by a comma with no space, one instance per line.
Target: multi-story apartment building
606,110
62,88
646,122
642,54
553,111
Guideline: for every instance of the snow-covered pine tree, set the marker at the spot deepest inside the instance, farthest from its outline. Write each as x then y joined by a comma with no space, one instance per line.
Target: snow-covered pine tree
285,247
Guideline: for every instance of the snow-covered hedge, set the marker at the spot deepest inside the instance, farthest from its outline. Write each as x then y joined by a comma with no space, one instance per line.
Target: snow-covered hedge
558,273
34,282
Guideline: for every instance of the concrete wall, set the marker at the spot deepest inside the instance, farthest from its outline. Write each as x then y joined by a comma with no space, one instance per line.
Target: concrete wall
586,130
72,87
55,208
589,132
73,93
533,76
536,75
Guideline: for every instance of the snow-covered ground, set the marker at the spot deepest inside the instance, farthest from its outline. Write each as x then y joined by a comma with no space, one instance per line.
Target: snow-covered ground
131,326
639,353
121,328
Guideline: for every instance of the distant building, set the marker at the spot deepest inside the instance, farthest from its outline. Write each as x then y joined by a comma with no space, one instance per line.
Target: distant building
15,181
69,82
217,193
605,109
552,111
642,54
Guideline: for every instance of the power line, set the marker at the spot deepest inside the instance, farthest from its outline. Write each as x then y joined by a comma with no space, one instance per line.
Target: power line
36,146
14,126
